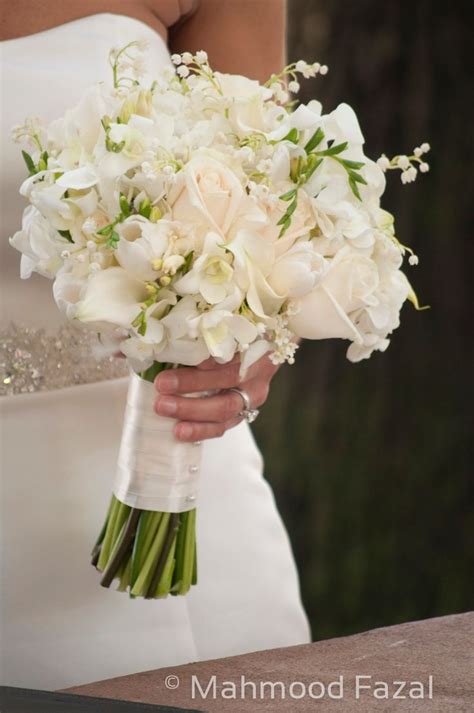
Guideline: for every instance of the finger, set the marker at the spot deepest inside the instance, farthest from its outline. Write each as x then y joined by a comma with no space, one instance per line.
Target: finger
190,431
189,380
219,408
211,363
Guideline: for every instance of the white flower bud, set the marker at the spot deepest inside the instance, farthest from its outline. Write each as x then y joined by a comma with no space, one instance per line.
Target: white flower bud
89,226
201,56
324,69
187,57
316,67
425,147
383,162
413,260
293,87
91,245
417,152
183,71
403,162
176,59
424,167
157,263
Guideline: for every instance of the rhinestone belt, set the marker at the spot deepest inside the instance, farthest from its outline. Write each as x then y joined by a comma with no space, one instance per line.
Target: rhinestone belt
32,360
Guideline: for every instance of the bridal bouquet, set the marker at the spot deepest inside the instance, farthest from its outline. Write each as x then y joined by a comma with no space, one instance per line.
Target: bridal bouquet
204,215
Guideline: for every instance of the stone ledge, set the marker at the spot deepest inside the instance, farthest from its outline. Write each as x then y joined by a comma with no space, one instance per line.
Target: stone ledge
442,648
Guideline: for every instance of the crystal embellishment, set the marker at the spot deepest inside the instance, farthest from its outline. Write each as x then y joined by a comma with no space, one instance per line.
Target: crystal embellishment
32,360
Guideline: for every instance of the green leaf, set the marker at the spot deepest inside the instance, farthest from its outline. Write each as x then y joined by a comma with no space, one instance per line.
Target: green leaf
334,150
315,140
292,136
352,164
354,188
30,164
289,212
285,227
313,165
289,195
66,234
357,177
106,229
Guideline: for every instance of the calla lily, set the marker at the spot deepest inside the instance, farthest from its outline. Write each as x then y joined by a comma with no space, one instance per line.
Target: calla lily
112,296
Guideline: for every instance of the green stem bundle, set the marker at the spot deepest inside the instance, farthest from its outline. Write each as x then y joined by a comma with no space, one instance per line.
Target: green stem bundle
151,554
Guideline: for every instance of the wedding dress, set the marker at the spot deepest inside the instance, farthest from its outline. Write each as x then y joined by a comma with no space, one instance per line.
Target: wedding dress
61,424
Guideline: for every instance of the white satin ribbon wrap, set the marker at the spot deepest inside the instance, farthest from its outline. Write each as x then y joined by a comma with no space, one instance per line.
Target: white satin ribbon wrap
155,471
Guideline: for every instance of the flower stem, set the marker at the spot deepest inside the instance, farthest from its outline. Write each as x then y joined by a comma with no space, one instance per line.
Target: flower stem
173,527
121,548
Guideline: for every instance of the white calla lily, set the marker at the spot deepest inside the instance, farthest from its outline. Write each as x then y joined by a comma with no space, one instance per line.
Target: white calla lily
112,296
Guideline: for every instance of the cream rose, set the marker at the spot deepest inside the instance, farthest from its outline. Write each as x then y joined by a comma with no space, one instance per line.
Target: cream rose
209,193
348,285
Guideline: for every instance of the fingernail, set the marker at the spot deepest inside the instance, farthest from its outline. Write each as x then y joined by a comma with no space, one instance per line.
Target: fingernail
185,431
166,405
166,382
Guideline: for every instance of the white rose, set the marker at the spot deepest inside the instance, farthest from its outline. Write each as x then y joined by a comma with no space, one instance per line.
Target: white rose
296,271
348,285
209,193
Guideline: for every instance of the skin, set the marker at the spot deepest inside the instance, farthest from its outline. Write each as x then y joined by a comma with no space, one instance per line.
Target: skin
222,28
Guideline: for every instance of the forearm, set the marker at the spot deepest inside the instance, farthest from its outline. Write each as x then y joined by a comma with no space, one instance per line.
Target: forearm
240,36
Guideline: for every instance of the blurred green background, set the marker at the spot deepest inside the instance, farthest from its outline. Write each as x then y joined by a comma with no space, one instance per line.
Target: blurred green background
370,462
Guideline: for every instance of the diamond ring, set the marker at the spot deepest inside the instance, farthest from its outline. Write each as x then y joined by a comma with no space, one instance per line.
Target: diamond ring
249,413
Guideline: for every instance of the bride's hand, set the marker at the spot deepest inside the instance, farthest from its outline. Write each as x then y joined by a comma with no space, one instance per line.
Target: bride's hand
210,416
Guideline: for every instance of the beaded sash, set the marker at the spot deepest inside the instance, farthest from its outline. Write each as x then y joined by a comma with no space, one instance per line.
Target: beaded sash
32,360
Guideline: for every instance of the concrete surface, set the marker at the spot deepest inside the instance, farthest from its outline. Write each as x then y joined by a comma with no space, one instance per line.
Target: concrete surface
411,653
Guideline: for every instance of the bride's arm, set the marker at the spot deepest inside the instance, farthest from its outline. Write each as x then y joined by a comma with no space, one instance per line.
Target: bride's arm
240,36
